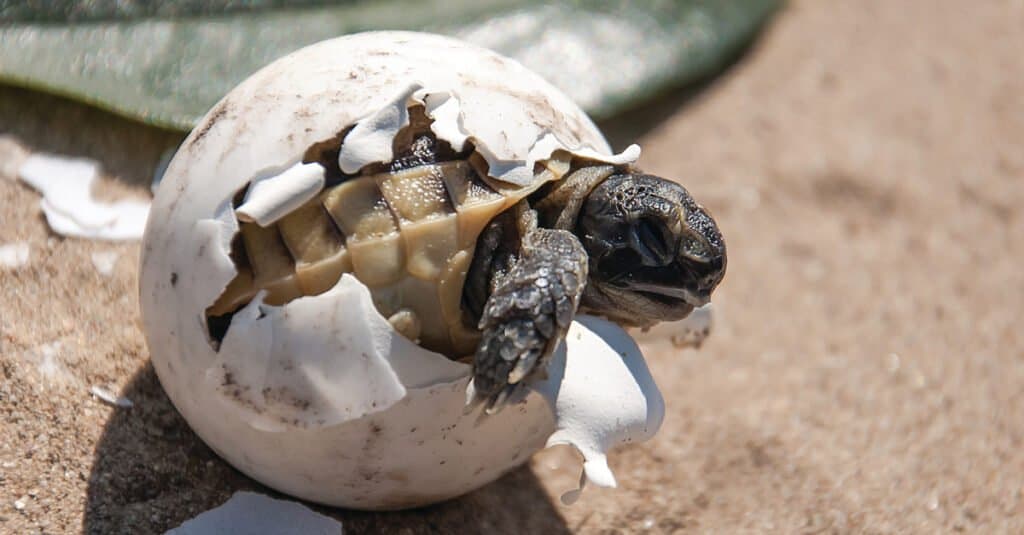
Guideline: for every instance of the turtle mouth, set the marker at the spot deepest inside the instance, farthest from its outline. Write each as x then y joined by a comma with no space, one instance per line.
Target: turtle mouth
655,293
668,295
660,298
643,307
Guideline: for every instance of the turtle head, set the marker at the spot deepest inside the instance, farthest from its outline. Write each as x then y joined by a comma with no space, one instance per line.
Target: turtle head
655,254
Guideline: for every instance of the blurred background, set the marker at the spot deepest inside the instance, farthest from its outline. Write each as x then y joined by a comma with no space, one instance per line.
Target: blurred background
863,159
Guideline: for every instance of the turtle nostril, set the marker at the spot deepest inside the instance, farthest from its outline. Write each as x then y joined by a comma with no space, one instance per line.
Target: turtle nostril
711,280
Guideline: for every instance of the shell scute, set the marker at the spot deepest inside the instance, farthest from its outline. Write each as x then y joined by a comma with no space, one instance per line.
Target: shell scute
317,247
430,245
475,201
426,217
421,298
417,194
372,235
272,266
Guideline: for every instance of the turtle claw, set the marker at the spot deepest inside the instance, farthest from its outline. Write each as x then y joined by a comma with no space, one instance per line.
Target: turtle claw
497,402
510,395
525,366
509,354
472,399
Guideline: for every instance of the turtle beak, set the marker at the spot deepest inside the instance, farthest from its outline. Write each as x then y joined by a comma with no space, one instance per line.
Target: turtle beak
691,297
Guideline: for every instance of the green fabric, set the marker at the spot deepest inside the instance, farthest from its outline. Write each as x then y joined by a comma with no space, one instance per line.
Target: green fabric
168,62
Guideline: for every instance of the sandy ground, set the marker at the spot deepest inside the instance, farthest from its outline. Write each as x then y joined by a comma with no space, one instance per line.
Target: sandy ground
867,374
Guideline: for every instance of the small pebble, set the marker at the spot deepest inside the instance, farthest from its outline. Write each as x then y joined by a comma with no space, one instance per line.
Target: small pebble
110,398
14,255
104,262
918,380
892,363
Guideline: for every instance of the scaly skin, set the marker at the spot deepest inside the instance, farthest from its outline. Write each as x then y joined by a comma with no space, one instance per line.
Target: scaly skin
528,313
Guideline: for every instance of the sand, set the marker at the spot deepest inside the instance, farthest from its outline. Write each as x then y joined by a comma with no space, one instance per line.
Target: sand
866,374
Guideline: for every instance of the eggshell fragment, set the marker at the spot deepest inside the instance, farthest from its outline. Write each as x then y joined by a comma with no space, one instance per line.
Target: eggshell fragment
14,255
104,261
692,330
370,141
603,398
67,202
319,397
273,364
274,196
249,512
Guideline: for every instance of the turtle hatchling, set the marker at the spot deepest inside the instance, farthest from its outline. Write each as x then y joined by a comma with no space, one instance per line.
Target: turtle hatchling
464,263
373,245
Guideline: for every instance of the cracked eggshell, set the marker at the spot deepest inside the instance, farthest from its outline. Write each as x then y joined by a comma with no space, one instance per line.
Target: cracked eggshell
319,397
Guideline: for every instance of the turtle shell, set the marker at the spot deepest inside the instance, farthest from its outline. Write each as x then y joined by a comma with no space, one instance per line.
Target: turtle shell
409,235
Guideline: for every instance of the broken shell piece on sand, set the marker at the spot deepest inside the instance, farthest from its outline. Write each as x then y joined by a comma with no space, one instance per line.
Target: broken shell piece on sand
692,330
14,255
66,186
249,512
317,395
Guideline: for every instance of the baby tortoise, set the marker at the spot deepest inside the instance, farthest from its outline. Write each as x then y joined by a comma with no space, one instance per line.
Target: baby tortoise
465,264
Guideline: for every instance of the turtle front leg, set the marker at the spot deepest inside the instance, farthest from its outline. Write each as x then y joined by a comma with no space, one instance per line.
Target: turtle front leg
528,312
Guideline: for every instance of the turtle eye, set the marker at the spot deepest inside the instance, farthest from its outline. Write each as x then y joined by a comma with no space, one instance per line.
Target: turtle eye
650,239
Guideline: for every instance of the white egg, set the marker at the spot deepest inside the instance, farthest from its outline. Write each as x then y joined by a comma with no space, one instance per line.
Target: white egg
319,397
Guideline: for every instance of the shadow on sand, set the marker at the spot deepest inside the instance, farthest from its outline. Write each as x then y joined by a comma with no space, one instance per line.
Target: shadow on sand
152,473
